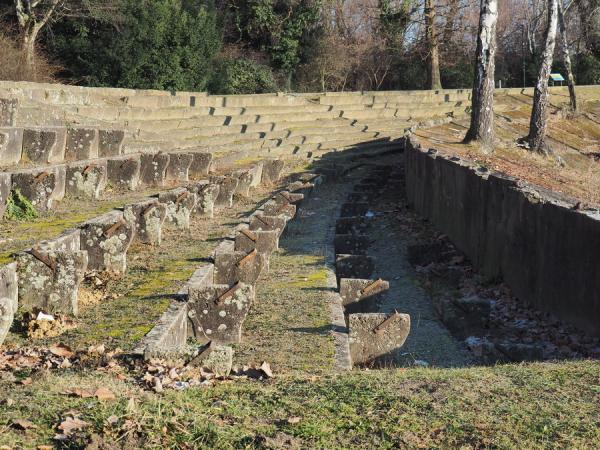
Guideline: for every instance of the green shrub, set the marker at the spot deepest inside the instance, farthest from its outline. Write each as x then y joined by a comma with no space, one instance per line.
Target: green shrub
242,76
18,207
155,44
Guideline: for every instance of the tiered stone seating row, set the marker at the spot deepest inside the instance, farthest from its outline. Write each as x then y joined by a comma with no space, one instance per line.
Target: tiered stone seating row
48,275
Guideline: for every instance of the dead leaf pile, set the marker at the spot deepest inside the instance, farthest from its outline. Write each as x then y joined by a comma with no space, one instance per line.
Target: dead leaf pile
162,374
70,426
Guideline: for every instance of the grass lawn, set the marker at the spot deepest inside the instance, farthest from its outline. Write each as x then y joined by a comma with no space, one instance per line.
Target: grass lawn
543,405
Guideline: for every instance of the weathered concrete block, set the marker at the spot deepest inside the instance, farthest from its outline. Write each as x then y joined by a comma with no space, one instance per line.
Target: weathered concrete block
271,172
354,209
82,143
206,194
287,198
37,186
224,246
179,166
8,112
169,335
148,217
231,267
107,239
260,221
86,179
265,242
227,187
300,187
8,298
180,203
219,360
351,244
153,168
42,146
217,312
124,172
360,295
110,142
351,225
49,279
256,173
5,185
200,166
272,208
374,337
202,277
354,266
244,182
67,241
11,145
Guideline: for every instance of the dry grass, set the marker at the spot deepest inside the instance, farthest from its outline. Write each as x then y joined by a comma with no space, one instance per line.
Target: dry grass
574,170
13,67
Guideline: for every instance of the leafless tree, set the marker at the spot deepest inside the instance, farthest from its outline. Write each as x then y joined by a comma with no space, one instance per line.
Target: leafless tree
564,45
433,56
539,113
482,111
32,16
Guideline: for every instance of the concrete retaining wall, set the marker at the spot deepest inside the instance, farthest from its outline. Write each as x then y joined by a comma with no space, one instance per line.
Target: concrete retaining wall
535,240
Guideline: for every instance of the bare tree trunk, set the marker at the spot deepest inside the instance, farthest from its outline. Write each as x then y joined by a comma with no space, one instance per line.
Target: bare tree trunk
566,56
539,114
433,56
482,110
32,16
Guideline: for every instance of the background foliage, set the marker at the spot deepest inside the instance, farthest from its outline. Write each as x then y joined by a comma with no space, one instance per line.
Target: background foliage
244,46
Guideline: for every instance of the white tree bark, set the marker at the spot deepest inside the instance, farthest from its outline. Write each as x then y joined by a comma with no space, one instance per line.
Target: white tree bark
482,99
539,113
564,44
32,16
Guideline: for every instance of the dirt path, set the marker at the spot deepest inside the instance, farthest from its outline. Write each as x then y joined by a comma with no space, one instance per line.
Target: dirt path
290,324
429,340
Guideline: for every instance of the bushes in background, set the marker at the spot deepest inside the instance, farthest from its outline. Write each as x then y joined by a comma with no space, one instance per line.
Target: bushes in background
242,76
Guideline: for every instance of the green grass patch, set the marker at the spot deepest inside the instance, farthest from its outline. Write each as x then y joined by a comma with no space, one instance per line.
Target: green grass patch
542,405
19,208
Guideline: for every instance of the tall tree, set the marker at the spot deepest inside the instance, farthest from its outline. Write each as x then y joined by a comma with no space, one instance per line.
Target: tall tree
564,44
482,111
539,114
433,51
32,16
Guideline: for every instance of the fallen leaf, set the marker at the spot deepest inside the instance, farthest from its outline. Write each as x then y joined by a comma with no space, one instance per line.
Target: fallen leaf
26,381
23,424
61,350
44,447
293,420
104,394
72,424
266,368
77,392
112,420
